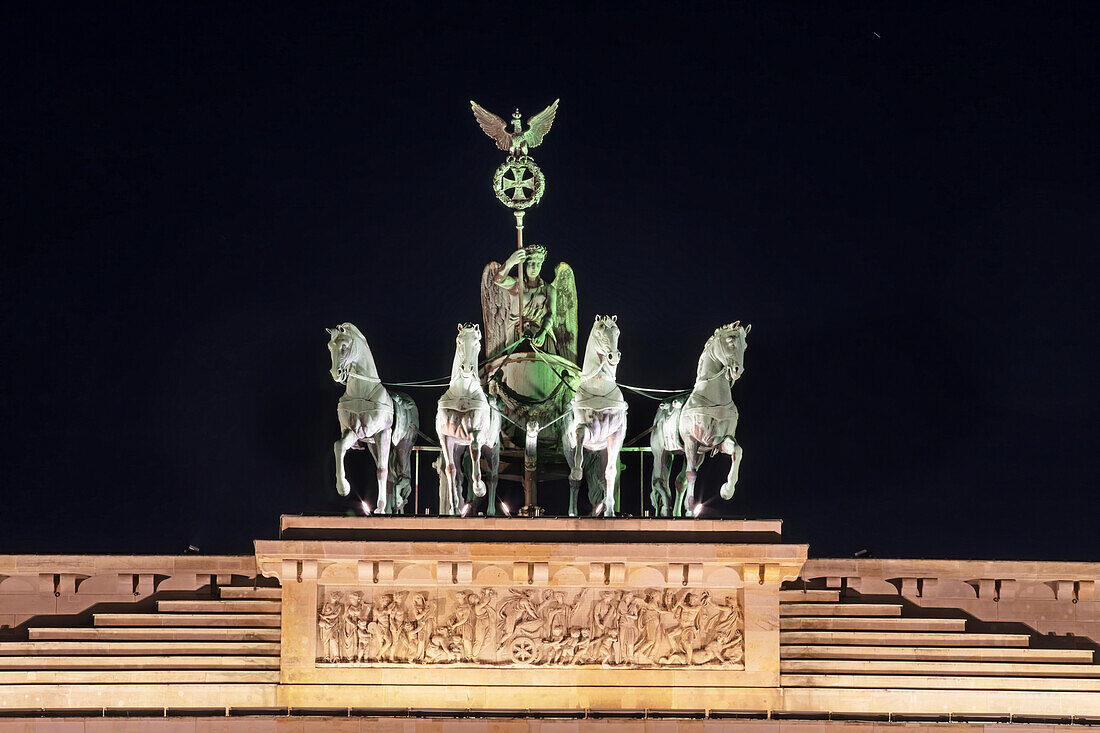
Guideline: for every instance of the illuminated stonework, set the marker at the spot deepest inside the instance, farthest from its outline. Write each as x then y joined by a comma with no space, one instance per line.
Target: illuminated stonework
530,626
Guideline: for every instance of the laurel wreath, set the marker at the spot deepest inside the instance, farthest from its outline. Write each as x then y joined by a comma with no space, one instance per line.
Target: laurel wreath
517,167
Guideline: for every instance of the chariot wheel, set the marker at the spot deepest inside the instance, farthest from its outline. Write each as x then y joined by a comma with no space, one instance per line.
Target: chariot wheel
523,651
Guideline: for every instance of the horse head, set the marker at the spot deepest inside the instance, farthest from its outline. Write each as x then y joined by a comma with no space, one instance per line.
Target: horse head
467,350
603,342
346,345
727,347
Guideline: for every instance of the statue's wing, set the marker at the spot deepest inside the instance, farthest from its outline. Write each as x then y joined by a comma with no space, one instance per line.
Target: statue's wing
494,309
539,125
494,127
565,319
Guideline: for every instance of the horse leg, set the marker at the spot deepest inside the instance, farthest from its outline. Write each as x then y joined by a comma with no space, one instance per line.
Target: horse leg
733,450
579,434
568,449
447,476
659,493
693,458
477,485
611,470
382,468
340,447
494,470
401,469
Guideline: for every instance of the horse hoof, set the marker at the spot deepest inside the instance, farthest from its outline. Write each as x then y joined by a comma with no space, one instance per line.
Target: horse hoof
479,489
343,488
726,492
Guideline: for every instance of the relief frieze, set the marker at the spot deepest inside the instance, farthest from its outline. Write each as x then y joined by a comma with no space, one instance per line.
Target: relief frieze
530,627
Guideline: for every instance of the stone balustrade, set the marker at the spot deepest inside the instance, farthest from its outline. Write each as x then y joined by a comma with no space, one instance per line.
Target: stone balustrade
33,585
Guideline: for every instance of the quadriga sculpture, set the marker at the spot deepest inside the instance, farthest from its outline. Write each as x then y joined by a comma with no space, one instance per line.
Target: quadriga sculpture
387,422
599,416
466,416
704,421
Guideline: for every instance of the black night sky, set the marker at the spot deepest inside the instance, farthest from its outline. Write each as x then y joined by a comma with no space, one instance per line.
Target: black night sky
903,200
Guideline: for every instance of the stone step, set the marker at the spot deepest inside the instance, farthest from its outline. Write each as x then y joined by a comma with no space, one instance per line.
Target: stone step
253,648
131,662
839,609
918,682
902,638
137,677
809,596
219,606
236,592
872,624
187,619
962,654
154,634
953,668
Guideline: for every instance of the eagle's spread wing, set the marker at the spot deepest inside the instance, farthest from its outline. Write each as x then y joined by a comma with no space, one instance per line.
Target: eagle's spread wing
539,125
494,127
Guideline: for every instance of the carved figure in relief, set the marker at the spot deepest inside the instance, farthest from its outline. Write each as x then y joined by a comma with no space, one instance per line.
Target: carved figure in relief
628,612
598,423
703,422
569,646
519,616
651,634
461,628
382,617
604,613
583,653
609,647
483,620
386,422
329,620
467,419
686,632
395,627
353,610
423,617
726,645
366,631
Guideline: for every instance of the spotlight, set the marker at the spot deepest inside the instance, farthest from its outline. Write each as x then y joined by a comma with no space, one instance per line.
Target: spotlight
697,509
366,508
597,510
507,511
192,550
465,509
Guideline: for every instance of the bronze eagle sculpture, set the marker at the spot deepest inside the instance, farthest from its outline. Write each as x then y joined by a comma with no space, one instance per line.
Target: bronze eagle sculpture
518,140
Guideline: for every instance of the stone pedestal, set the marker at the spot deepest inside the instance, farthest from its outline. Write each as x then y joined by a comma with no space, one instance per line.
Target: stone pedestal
529,613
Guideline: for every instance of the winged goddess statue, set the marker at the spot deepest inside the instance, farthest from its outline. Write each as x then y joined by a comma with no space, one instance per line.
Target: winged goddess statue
518,140
549,309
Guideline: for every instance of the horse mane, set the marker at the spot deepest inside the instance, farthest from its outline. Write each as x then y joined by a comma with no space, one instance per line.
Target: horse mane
352,329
